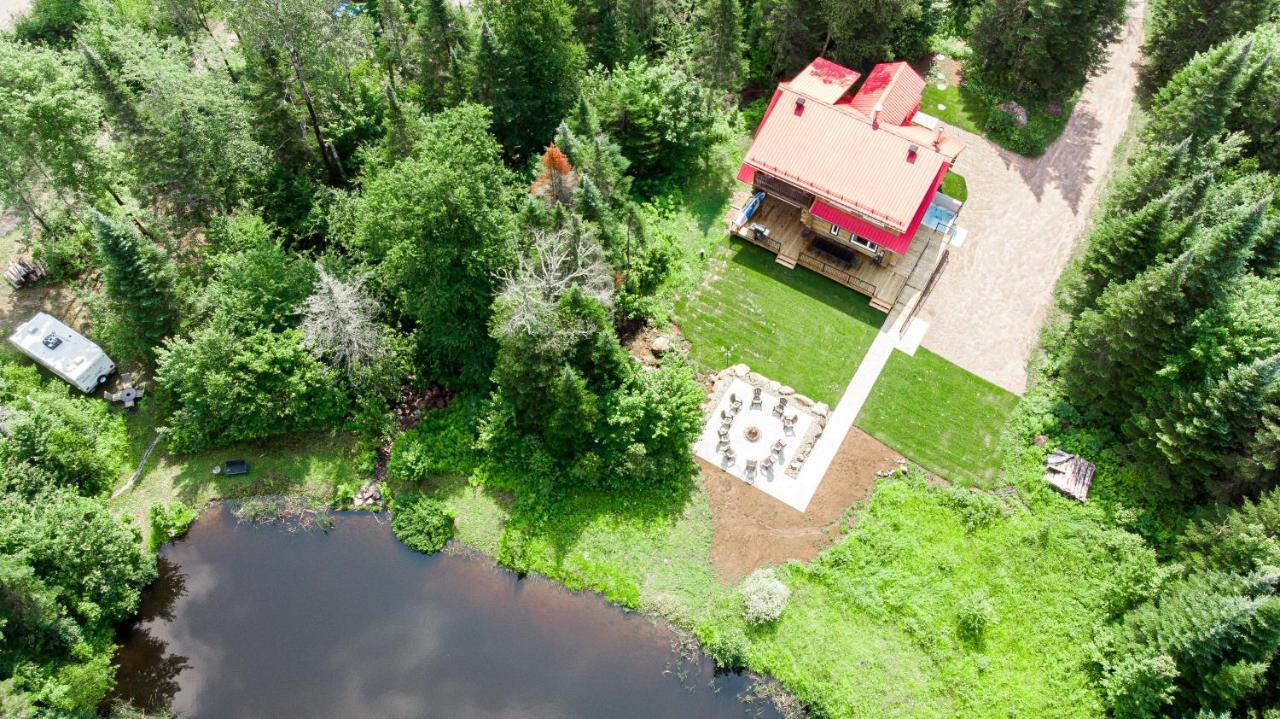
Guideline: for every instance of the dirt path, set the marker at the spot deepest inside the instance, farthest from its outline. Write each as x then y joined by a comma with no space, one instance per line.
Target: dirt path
752,529
9,8
1023,217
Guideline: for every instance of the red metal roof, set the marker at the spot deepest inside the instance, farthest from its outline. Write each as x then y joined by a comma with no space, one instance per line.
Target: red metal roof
746,174
896,87
836,155
893,242
824,81
816,139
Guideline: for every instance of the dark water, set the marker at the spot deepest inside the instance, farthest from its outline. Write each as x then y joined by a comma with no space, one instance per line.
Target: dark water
252,621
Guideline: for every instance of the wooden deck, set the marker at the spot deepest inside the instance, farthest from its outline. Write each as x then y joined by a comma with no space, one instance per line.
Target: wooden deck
890,287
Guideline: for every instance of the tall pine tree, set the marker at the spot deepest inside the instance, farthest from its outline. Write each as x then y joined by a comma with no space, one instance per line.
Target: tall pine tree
719,48
1178,29
139,281
538,65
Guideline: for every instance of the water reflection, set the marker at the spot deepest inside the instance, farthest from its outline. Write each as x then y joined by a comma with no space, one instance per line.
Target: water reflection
250,621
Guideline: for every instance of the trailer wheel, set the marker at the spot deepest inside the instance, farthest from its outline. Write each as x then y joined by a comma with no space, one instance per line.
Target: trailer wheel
102,378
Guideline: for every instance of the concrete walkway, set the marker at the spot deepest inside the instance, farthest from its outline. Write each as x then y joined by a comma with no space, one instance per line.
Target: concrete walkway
846,411
1023,218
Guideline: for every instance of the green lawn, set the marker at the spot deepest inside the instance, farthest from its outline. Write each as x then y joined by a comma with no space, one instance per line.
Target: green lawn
313,464
938,415
955,186
793,326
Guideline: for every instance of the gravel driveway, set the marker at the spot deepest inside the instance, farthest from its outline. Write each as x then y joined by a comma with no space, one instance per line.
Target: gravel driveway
1023,218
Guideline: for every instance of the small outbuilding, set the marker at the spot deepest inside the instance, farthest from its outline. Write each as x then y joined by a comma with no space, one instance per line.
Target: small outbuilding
1068,473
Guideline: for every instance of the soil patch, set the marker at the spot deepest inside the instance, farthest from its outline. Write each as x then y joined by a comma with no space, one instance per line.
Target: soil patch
752,529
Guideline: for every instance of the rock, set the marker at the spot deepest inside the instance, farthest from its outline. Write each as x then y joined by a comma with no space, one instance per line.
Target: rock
1040,440
661,345
740,370
786,391
1054,109
756,378
802,400
821,409
1016,112
774,386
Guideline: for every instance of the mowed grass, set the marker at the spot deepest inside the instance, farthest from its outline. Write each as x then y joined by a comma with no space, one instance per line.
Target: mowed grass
792,326
939,416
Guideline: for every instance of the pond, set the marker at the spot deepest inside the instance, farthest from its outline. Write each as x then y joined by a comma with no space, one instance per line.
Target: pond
254,621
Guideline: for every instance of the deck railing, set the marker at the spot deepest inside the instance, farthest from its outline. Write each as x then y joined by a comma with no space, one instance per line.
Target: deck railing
835,272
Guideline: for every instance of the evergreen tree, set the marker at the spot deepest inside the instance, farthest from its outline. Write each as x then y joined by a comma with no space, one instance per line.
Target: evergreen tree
1204,644
538,65
1119,248
1197,100
1178,29
444,45
139,281
187,133
1208,436
601,26
1043,49
793,31
869,31
1233,86
719,48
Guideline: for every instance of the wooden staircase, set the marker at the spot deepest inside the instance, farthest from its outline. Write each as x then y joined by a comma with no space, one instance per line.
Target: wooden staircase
787,262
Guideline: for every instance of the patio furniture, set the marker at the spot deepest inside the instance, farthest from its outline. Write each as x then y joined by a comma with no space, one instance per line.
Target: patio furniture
751,467
756,399
724,431
767,465
779,446
790,421
734,402
729,456
724,415
232,467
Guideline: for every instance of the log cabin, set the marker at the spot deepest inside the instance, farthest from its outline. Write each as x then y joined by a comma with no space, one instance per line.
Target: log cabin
847,184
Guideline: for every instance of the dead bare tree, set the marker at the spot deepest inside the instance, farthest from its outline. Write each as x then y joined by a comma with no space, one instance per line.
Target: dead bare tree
554,263
339,324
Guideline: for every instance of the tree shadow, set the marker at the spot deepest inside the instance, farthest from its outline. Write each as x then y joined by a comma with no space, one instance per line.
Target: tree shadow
1065,165
147,677
278,465
810,284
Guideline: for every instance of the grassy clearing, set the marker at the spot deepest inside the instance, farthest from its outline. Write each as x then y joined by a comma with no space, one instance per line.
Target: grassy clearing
941,417
961,105
955,186
872,629
314,464
793,326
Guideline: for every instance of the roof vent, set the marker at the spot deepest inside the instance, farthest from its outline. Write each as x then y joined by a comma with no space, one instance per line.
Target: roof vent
913,149
875,114
800,102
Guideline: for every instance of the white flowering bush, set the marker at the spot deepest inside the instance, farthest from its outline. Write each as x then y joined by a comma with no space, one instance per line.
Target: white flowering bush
764,596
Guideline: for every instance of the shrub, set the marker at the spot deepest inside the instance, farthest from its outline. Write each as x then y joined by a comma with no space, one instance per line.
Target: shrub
764,596
425,525
443,443
726,643
168,522
973,615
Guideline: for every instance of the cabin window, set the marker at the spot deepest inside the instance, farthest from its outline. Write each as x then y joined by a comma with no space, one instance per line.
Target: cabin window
835,231
867,244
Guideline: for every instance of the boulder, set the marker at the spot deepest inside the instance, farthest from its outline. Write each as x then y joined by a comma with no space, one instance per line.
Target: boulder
661,345
786,391
756,378
774,386
821,409
802,401
1016,112
740,370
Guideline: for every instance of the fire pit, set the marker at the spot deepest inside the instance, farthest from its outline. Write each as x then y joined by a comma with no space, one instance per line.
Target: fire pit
751,434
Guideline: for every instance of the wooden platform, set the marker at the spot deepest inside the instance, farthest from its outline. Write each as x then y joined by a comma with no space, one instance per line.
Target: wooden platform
890,287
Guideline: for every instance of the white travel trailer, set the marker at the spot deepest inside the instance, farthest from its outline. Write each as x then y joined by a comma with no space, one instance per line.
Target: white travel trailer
63,351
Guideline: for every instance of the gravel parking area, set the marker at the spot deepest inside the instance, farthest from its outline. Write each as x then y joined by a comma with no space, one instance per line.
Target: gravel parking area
1023,218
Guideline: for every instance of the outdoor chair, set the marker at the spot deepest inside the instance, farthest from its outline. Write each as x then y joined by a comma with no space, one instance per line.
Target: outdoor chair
751,467
790,421
777,409
724,431
756,400
729,455
767,463
779,446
